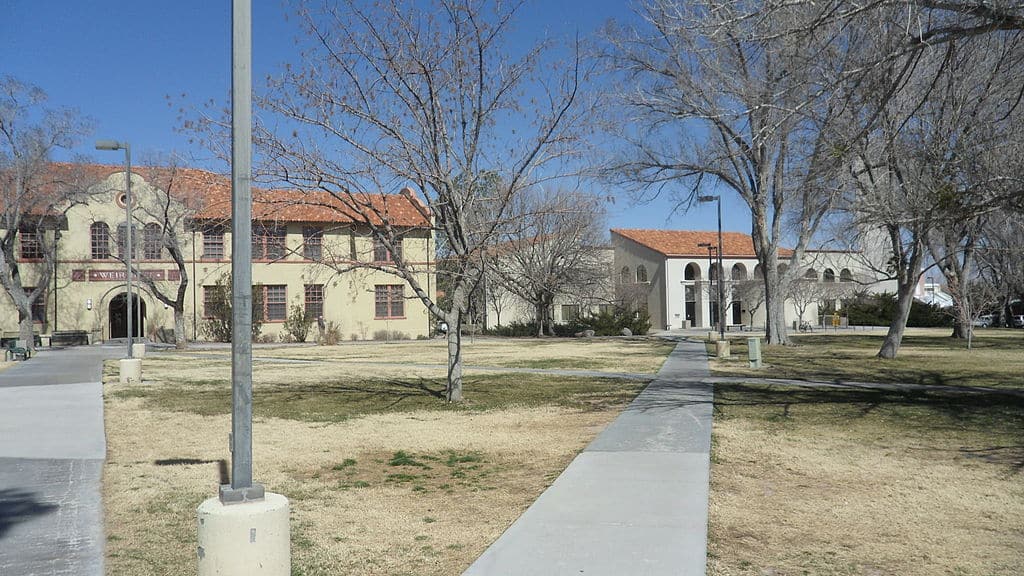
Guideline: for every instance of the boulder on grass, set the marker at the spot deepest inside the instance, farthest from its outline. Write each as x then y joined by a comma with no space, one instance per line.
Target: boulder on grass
626,332
588,333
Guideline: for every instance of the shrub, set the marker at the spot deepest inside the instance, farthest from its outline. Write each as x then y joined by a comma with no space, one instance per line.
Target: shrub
298,323
332,335
390,335
218,324
879,309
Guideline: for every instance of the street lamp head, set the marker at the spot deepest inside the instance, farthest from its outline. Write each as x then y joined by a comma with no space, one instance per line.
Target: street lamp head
708,198
108,145
704,245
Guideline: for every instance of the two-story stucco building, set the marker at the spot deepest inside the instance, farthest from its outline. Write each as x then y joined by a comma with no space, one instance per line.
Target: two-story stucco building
308,249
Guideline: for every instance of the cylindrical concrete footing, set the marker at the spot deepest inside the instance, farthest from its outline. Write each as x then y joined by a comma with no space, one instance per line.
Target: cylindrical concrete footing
245,538
722,349
131,371
139,350
713,336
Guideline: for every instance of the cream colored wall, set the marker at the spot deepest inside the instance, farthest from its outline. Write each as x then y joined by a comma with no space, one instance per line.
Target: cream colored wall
348,295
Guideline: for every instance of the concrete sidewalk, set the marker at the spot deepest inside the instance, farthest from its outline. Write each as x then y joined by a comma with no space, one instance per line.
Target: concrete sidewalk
52,447
635,501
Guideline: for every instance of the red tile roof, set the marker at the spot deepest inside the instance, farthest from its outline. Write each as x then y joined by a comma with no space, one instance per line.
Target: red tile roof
685,242
210,195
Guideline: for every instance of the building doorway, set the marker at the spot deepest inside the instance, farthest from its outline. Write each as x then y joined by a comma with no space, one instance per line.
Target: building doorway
119,316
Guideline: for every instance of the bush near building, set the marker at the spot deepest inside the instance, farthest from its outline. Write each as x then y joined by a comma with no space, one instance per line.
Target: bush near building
865,309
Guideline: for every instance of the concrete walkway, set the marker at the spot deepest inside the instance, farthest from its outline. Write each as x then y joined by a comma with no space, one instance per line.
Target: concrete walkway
52,448
635,501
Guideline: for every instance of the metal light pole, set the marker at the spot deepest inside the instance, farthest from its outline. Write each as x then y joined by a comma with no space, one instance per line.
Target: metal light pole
242,487
721,286
129,227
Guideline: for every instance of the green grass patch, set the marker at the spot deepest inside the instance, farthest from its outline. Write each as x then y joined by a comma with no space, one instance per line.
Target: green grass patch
339,400
995,360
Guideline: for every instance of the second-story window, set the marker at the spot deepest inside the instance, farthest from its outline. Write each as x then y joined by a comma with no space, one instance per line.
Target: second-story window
312,242
213,245
152,241
100,233
382,254
268,242
31,243
122,236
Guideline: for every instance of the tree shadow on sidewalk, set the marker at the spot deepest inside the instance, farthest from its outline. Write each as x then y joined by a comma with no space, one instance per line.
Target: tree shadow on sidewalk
17,506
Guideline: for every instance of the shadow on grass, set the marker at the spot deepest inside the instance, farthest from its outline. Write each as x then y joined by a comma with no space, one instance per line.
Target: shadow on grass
992,424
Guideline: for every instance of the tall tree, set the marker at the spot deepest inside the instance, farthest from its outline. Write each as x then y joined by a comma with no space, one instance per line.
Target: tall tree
34,193
723,101
551,247
429,94
164,211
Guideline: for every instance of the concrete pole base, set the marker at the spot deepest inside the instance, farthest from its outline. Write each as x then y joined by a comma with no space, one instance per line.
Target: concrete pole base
139,350
244,539
131,371
713,336
722,349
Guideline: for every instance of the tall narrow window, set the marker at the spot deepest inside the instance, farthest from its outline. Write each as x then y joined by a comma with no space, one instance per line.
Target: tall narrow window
213,245
100,233
122,236
382,254
641,274
312,242
389,301
275,302
314,300
153,241
31,243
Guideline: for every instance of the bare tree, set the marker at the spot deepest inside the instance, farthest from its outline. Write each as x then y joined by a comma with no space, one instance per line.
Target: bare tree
1001,260
34,192
924,172
165,211
551,247
751,294
751,100
398,93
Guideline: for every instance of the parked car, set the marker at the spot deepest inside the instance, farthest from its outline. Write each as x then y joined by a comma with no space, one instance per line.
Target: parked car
983,321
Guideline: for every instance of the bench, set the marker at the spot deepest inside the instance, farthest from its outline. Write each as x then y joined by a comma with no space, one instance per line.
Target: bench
14,351
740,327
69,338
11,338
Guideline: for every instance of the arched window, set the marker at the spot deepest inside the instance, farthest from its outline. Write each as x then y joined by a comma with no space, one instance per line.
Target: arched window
758,272
625,277
830,275
811,274
152,240
782,269
846,276
100,233
739,272
691,272
641,273
122,234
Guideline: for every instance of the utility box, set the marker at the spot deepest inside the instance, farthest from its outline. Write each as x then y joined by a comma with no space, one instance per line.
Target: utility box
722,348
754,352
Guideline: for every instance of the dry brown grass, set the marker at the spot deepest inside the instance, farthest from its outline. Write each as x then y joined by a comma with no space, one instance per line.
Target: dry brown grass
866,483
464,473
366,516
636,355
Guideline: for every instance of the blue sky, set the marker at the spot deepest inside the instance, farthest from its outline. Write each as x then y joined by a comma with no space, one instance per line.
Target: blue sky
130,65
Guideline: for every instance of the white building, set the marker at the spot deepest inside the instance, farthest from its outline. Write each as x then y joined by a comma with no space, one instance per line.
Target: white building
675,274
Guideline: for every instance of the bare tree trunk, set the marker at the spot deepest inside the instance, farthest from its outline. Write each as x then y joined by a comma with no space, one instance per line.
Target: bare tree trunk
180,340
453,392
25,329
540,319
898,325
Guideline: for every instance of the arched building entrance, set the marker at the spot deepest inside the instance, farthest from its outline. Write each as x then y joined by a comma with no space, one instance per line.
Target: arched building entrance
118,314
